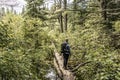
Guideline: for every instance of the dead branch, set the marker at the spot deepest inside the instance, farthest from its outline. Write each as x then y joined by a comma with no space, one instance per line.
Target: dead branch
80,65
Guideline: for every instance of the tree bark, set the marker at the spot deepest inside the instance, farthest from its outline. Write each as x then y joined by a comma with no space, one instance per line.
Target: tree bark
65,17
103,7
61,23
75,4
60,17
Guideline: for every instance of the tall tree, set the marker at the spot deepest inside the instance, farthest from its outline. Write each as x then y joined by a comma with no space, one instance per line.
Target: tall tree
110,9
113,10
35,8
61,17
65,16
9,3
2,11
23,10
103,7
75,4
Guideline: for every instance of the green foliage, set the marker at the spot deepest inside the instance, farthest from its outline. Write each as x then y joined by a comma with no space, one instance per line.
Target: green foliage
116,35
92,42
35,9
24,48
3,35
117,26
14,65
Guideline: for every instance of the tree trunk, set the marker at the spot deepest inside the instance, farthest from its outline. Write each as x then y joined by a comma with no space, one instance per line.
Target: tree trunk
65,17
55,4
60,17
75,5
103,7
61,22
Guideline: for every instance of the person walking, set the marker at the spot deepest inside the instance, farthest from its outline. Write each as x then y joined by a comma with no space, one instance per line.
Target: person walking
65,51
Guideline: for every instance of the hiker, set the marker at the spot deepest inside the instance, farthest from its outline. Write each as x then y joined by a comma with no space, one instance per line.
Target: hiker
65,51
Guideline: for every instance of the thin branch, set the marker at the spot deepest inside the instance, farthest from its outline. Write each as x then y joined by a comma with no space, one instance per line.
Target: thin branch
117,13
116,9
80,65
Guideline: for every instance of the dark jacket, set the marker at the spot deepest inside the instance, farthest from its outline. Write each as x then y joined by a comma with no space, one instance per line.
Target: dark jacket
65,48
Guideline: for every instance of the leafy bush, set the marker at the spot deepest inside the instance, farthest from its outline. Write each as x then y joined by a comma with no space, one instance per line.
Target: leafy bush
92,42
117,26
25,48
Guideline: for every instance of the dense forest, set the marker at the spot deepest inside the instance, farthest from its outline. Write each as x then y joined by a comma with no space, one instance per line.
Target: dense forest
92,27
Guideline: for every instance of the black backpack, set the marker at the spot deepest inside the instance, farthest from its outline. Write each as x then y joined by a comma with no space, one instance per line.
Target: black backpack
64,48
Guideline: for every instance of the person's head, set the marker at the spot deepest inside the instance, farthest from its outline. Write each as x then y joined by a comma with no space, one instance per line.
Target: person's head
66,40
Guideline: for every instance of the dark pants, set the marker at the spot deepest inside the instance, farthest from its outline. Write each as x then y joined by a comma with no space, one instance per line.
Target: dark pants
65,57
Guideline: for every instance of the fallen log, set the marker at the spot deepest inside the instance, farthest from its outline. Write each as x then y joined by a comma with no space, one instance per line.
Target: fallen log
58,63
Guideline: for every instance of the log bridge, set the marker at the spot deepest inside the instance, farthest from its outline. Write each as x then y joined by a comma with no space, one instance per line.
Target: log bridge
62,73
58,64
